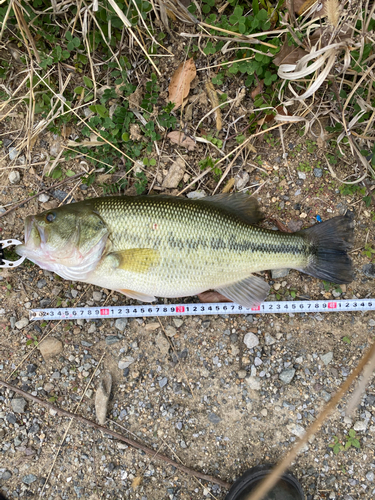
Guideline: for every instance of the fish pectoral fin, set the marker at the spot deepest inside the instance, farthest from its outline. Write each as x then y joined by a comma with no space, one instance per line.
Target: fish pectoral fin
241,205
138,260
248,293
137,295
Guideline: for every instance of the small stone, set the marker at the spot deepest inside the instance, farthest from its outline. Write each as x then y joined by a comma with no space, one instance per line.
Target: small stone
6,475
125,362
29,479
175,174
369,270
102,395
150,327
163,382
269,340
302,175
170,331
215,419
97,296
162,343
295,225
14,177
251,340
371,322
286,376
296,430
360,426
178,322
13,153
92,328
48,387
370,476
50,347
22,323
264,412
41,283
111,339
18,405
196,195
257,361
179,425
253,383
121,323
241,179
318,172
43,198
279,273
327,358
242,373
55,146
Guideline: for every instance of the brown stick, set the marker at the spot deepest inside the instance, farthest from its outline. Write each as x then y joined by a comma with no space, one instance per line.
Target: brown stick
42,191
277,472
129,441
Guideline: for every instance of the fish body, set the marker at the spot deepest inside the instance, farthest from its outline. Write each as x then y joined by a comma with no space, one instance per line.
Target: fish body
163,246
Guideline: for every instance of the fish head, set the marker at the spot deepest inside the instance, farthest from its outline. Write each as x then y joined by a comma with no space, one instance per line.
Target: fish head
72,237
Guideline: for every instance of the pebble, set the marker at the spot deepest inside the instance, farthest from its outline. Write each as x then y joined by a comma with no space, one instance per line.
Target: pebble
150,327
370,476
163,382
6,475
360,426
242,373
13,153
269,340
14,177
102,396
302,175
41,283
43,198
111,339
97,296
286,376
241,179
178,322
170,331
369,270
162,343
55,146
251,340
257,361
18,405
371,322
22,323
121,323
125,362
215,419
264,412
279,273
30,478
196,195
50,347
318,172
253,383
175,174
327,358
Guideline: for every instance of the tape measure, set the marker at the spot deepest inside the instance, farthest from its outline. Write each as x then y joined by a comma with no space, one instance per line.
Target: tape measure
148,311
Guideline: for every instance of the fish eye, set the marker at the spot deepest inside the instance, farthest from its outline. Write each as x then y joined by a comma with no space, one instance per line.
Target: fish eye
50,217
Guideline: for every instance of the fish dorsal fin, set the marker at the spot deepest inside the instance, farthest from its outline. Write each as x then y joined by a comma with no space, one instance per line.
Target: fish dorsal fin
137,295
248,293
241,205
137,260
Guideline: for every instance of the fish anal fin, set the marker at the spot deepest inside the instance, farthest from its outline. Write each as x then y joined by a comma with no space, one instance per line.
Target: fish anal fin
138,260
241,205
248,292
137,295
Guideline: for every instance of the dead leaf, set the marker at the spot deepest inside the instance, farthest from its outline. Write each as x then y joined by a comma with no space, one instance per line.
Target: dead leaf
269,118
258,90
135,98
289,55
179,86
212,296
178,137
212,94
228,186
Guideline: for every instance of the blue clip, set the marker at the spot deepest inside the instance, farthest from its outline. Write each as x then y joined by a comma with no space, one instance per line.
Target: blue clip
318,218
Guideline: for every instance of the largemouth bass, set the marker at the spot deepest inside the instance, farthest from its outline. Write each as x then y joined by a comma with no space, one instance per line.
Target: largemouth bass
164,246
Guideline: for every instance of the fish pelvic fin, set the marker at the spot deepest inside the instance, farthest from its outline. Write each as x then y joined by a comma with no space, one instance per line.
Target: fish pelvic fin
328,244
248,292
138,260
241,205
137,295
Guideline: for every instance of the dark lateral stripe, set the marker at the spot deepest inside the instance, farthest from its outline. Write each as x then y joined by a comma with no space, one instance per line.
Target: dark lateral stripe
237,246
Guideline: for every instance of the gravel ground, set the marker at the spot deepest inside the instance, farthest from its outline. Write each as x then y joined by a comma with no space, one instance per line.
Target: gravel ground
220,394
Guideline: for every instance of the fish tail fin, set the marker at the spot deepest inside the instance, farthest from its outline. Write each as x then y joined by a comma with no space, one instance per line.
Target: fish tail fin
329,243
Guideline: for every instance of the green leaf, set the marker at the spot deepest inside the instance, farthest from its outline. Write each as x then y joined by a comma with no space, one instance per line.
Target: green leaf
70,173
68,36
88,82
346,340
255,7
356,443
100,110
78,90
125,137
351,433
